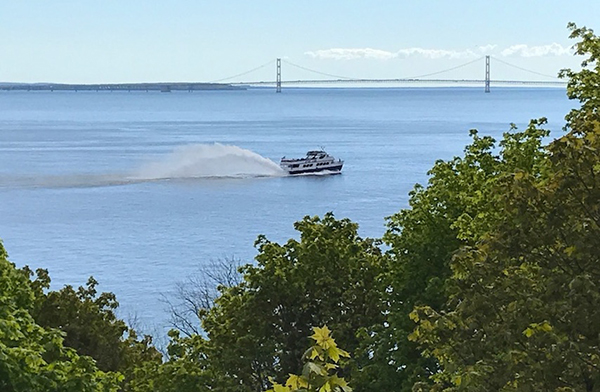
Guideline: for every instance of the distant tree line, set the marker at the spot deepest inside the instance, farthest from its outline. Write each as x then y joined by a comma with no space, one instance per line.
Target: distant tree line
489,281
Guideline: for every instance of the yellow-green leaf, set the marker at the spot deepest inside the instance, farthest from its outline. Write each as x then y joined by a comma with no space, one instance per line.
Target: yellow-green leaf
528,332
280,388
569,251
414,316
334,354
315,353
323,337
458,380
296,382
325,388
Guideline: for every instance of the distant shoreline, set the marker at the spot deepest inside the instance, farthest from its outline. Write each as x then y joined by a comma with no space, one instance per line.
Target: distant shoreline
163,87
190,87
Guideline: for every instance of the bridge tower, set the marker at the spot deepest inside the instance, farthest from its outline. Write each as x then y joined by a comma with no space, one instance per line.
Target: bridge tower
487,74
278,90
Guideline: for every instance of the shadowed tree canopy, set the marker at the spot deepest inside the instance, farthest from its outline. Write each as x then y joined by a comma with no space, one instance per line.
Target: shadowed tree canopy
89,325
523,312
33,358
258,328
330,276
457,207
88,320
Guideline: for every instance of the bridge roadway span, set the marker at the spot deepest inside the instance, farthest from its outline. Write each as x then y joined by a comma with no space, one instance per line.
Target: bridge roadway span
432,81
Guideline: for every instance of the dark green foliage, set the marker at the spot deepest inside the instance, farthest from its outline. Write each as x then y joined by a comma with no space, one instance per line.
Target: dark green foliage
33,358
523,307
331,276
89,322
188,369
456,209
584,84
258,329
90,326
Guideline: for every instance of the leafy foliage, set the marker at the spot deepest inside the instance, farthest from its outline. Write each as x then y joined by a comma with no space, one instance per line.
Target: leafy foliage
256,330
522,311
456,209
331,276
319,373
188,369
90,325
33,358
584,84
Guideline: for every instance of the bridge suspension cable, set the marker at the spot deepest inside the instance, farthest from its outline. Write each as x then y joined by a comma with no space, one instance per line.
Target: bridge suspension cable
317,72
445,70
244,73
412,77
417,78
524,69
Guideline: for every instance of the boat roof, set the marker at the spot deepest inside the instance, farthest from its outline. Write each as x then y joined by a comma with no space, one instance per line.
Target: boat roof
315,152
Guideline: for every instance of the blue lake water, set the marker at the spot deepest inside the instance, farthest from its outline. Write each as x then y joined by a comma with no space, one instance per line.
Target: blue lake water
132,189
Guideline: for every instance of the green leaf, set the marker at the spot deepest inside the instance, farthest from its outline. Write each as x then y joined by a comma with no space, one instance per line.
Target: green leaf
570,250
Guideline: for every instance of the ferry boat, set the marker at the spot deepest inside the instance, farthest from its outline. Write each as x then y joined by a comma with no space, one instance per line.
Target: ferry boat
314,162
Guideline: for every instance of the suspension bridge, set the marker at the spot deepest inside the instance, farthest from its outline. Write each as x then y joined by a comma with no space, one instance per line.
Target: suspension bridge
234,83
486,82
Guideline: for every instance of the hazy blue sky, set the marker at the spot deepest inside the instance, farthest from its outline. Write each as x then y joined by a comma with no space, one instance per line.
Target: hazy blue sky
177,40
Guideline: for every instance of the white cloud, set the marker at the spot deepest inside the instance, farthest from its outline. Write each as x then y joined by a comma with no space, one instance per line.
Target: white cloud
523,50
436,53
486,48
369,53
351,54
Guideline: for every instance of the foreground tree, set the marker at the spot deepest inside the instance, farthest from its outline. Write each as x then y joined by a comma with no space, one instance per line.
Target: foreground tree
331,276
33,358
319,373
90,326
457,208
522,312
188,368
89,322
257,329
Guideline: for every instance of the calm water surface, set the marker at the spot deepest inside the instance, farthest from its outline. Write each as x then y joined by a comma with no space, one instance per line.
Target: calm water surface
132,189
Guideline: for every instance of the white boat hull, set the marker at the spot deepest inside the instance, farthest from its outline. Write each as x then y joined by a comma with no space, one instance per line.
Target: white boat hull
317,161
334,169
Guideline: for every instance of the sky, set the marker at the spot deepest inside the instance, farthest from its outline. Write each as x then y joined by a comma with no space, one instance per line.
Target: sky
119,41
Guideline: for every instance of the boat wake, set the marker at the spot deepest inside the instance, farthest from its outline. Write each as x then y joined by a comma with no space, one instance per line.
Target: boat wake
209,161
197,161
